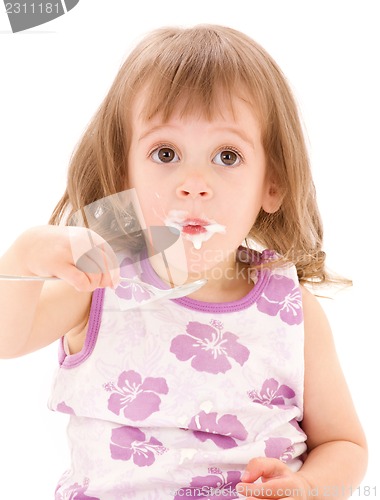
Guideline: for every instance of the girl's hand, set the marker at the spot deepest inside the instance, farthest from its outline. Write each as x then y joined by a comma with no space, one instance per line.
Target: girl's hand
77,255
278,481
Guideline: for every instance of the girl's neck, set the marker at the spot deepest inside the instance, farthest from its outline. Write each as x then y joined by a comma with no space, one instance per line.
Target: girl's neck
226,282
233,286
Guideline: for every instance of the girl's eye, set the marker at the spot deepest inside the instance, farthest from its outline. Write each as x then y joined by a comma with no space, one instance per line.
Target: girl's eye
164,155
228,157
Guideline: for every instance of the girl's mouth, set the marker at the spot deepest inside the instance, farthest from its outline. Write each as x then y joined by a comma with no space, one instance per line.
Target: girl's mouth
194,226
195,229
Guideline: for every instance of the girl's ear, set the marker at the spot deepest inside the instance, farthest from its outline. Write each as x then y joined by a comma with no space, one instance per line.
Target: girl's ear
273,197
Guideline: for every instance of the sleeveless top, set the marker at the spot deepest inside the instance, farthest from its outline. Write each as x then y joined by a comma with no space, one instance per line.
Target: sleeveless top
172,398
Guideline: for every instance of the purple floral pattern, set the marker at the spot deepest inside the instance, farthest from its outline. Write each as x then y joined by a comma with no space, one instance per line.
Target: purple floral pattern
222,431
127,290
62,407
75,492
282,296
271,393
218,484
131,443
280,448
137,399
208,347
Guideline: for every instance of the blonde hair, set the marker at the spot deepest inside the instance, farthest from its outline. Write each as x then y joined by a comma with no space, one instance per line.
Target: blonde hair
186,69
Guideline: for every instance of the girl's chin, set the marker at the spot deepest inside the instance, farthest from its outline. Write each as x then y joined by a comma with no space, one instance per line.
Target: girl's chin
208,256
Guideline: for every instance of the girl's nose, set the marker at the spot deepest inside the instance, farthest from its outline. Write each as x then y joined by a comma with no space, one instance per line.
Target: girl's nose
194,187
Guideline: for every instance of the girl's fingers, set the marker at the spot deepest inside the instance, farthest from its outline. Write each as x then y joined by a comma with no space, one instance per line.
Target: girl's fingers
91,262
97,261
277,481
265,468
76,278
84,282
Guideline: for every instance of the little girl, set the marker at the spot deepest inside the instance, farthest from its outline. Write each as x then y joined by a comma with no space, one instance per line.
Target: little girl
236,388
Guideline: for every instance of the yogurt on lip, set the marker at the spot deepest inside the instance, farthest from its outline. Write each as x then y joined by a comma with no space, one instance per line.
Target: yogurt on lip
200,234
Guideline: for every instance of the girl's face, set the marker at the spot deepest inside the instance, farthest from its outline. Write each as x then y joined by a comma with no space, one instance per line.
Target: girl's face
205,178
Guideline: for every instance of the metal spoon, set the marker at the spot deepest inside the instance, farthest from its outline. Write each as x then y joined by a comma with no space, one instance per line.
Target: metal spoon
172,293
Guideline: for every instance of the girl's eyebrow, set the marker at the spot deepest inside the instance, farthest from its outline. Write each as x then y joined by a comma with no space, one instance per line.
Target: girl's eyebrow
154,129
236,131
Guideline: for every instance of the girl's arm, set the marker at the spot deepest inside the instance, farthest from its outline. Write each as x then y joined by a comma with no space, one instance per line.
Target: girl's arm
337,449
35,314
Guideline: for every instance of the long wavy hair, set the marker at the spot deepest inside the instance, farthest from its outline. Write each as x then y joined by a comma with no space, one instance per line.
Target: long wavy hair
186,69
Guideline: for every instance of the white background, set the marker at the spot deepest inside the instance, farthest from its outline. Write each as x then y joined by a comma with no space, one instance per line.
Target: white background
52,79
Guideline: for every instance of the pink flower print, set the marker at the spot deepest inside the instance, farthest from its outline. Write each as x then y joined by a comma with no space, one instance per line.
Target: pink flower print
218,485
209,347
127,290
222,431
271,393
74,492
280,448
129,442
283,296
135,398
62,407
